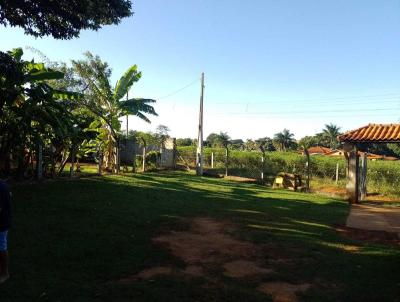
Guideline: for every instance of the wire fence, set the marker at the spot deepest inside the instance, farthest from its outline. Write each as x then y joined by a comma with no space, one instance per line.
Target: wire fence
382,176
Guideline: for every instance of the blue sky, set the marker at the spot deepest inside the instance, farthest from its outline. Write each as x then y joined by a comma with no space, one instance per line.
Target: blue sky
268,64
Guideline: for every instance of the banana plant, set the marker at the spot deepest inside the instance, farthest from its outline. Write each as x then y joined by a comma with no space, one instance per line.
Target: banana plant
30,109
110,104
19,78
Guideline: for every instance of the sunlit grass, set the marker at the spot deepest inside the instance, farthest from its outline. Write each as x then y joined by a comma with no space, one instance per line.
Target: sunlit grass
71,238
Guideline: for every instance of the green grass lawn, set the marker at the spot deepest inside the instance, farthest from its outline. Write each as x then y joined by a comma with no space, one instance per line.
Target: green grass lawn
72,239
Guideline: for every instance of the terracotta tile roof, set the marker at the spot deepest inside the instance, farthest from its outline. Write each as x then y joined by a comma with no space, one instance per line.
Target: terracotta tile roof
373,133
390,158
319,150
340,152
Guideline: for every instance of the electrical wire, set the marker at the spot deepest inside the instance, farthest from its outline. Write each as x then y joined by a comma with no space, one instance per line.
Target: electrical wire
178,90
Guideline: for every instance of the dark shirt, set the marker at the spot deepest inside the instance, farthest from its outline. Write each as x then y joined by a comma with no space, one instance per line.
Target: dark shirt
5,207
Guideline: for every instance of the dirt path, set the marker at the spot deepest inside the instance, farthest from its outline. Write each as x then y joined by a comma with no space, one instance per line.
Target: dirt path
374,218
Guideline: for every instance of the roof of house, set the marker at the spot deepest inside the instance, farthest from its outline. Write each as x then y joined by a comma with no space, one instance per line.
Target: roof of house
373,133
319,150
360,153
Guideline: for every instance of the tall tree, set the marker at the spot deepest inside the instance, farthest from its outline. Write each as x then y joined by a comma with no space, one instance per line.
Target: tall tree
284,140
62,19
182,142
250,145
108,104
265,144
222,140
331,132
308,141
162,134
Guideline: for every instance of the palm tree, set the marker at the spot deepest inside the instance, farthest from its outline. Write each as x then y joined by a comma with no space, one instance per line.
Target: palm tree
331,132
109,104
223,139
284,139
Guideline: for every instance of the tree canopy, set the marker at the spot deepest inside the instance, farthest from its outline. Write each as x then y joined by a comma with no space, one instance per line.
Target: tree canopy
284,140
218,140
330,133
62,19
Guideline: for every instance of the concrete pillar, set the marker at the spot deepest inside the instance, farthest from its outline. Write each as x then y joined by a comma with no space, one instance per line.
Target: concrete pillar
352,183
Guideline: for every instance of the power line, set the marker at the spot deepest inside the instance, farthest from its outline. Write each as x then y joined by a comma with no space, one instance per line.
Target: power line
392,96
308,112
316,117
283,102
178,90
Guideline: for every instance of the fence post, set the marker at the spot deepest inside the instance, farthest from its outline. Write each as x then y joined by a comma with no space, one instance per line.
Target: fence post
262,169
72,168
308,168
118,153
337,173
144,159
100,166
134,162
212,160
174,154
226,161
40,162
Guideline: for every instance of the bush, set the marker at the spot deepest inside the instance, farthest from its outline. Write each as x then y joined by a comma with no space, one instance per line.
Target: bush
152,159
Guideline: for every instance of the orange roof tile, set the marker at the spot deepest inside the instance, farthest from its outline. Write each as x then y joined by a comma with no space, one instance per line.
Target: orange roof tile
373,133
319,150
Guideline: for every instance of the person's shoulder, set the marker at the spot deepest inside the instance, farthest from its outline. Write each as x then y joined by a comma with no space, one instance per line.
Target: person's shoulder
3,186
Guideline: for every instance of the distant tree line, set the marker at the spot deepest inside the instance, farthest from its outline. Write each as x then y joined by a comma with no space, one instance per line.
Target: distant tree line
284,141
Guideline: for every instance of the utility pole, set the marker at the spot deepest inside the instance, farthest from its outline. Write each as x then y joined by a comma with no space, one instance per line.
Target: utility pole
199,153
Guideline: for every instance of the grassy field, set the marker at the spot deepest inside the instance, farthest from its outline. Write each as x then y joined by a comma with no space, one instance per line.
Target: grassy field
72,240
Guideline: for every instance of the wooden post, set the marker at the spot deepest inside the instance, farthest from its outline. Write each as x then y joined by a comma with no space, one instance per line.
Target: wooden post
174,154
363,185
39,164
212,160
134,161
73,155
100,165
337,173
262,168
118,157
352,184
144,159
226,161
307,169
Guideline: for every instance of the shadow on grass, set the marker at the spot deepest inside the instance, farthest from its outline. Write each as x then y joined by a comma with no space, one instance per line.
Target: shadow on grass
71,237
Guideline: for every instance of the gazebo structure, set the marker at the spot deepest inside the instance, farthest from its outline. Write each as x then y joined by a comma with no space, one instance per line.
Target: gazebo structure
372,133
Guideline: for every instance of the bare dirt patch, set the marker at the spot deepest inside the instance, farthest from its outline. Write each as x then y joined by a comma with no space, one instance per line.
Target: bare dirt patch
369,236
331,191
206,242
210,251
241,179
283,291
